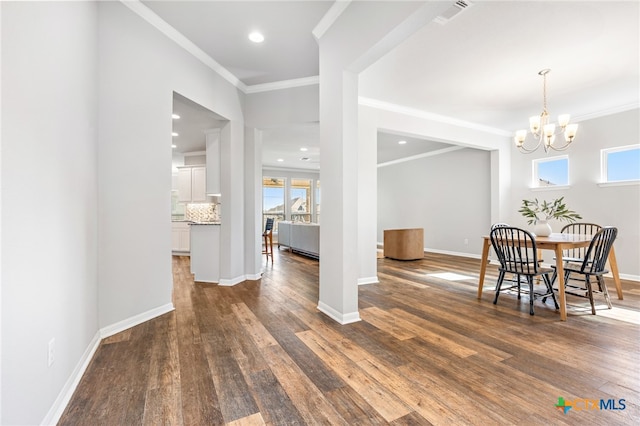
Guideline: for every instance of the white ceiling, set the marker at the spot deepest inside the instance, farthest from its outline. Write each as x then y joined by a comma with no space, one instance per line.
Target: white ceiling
480,67
221,29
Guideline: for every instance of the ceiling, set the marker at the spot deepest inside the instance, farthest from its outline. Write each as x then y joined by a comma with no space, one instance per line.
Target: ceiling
480,67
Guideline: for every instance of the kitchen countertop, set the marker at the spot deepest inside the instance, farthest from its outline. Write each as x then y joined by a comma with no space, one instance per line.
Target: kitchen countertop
192,222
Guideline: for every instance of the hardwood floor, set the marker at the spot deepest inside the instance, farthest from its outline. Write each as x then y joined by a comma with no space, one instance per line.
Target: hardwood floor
426,352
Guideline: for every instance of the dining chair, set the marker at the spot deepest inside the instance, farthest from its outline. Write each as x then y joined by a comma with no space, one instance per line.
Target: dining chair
267,235
577,254
593,264
516,251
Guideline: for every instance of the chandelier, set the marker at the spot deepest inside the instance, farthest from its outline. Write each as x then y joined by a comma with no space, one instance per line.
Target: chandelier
545,132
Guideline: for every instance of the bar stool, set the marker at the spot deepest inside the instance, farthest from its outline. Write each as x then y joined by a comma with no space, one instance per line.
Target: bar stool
267,235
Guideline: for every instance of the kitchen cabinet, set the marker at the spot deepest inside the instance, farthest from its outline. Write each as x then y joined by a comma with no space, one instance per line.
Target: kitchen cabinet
180,237
192,184
205,252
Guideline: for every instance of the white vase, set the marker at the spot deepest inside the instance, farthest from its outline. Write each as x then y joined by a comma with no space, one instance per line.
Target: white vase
542,228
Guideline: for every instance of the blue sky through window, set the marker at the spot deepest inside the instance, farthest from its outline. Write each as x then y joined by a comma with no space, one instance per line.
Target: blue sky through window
623,165
553,172
272,197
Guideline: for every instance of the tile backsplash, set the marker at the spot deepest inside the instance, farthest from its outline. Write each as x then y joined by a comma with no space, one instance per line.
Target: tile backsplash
203,212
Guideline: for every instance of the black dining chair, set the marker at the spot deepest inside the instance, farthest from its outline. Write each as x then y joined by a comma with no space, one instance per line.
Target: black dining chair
499,225
577,254
267,235
593,264
517,253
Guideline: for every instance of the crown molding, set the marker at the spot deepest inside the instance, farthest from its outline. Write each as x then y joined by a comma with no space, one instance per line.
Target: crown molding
284,84
329,18
388,106
148,15
605,112
424,155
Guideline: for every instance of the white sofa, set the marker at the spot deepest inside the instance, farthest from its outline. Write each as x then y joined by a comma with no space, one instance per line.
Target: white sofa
303,238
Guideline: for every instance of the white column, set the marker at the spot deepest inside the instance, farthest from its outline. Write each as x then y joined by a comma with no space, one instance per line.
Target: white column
363,32
338,173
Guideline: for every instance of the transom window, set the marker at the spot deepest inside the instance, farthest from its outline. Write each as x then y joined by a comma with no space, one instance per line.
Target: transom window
550,172
621,164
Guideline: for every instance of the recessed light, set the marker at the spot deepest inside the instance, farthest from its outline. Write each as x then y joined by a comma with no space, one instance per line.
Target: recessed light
402,142
256,37
175,116
280,160
173,146
174,134
303,149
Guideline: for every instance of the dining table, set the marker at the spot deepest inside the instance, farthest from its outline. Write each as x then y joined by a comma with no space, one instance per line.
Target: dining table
556,242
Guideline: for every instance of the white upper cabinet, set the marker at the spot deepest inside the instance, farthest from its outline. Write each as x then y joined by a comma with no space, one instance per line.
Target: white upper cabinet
192,182
198,184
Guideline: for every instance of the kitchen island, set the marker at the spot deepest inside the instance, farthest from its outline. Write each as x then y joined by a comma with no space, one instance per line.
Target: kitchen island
205,251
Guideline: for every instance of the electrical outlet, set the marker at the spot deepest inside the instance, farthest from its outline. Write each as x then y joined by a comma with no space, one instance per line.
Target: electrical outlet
466,241
52,351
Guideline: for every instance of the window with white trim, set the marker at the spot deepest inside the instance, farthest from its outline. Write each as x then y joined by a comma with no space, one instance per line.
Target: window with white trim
621,164
550,172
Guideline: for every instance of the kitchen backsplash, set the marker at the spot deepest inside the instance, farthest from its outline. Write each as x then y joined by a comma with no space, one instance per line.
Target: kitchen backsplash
203,212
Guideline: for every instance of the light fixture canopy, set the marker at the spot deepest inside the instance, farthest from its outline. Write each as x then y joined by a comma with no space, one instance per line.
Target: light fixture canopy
544,131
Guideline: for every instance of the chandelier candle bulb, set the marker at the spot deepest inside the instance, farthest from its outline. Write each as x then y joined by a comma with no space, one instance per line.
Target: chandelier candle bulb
534,124
563,120
570,132
549,129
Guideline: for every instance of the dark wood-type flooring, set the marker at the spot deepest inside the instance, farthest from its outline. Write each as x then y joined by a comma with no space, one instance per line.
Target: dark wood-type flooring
426,352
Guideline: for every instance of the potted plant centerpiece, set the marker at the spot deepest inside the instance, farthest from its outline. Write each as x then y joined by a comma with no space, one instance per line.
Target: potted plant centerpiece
540,212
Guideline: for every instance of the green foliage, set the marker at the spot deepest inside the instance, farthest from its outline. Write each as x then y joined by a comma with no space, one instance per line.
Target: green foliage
557,209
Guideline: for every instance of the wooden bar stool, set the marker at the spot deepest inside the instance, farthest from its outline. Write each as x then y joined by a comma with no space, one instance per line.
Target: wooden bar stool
267,235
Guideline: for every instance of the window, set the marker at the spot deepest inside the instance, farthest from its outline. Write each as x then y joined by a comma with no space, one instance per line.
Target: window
272,200
621,164
551,172
300,204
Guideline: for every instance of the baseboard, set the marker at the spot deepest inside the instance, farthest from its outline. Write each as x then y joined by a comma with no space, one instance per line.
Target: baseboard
110,330
253,277
337,316
368,280
630,277
58,407
60,404
232,281
454,253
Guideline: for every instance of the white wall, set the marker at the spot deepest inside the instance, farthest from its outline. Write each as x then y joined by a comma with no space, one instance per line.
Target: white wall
49,201
140,68
284,107
375,116
613,205
447,195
